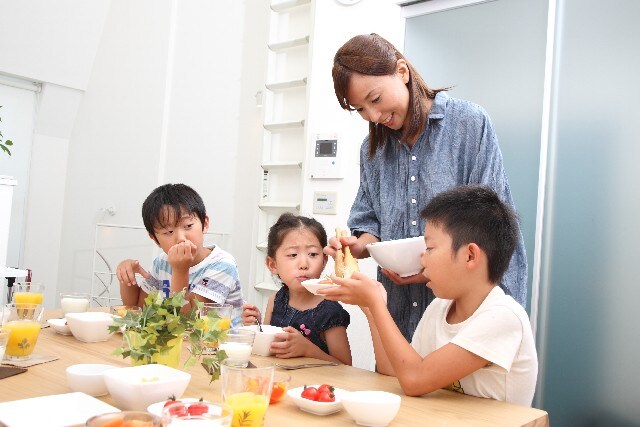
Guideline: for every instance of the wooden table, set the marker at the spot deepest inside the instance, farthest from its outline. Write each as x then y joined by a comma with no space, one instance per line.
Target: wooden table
440,408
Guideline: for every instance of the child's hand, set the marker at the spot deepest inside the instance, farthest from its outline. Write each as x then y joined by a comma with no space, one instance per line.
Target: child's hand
358,290
249,314
182,255
290,343
127,270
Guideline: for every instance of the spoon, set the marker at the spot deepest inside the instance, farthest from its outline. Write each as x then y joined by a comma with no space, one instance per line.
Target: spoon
259,324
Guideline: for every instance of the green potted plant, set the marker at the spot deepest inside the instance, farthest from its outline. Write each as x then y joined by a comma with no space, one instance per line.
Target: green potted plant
4,146
155,335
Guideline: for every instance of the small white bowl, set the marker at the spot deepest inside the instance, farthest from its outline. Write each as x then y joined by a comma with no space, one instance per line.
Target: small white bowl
137,387
401,256
88,378
372,408
317,408
314,285
263,340
91,326
60,326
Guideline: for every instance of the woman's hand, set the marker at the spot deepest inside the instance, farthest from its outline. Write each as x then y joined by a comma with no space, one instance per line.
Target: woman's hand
409,280
250,314
357,245
290,343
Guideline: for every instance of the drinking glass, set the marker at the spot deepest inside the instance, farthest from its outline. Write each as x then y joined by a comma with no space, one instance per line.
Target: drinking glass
28,293
4,339
247,391
23,322
124,418
223,322
237,343
195,414
74,302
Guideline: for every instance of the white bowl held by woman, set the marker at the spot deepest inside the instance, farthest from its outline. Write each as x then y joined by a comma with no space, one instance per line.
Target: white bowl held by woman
401,256
91,326
88,378
263,340
372,408
137,387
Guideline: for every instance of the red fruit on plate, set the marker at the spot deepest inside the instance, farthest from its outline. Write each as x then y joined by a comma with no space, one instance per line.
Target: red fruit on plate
171,401
326,396
325,388
310,393
198,408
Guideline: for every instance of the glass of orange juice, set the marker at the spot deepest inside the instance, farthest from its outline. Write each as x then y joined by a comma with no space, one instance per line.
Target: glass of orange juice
216,316
28,293
23,321
247,391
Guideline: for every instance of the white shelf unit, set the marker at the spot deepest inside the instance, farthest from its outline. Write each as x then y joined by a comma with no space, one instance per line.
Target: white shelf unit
284,118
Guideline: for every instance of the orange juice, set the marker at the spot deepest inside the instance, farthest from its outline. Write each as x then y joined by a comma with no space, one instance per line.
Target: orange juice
22,339
248,409
28,297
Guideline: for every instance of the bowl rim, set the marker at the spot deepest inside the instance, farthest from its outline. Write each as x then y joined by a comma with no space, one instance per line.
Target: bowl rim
394,241
124,373
101,369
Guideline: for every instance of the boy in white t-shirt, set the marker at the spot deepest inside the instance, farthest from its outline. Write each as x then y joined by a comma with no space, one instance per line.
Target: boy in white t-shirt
176,220
473,338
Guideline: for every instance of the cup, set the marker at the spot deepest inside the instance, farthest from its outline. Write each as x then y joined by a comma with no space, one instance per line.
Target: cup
197,414
247,391
121,418
23,322
74,302
237,344
28,293
216,316
281,382
4,340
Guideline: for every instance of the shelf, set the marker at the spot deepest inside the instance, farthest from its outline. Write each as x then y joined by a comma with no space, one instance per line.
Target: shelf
290,84
274,127
267,286
281,6
262,246
279,205
281,165
288,44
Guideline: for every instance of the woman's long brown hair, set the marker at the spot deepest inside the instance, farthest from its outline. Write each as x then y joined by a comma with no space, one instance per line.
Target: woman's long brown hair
374,56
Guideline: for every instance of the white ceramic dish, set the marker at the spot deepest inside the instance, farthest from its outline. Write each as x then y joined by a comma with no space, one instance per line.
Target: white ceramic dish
314,285
91,326
88,378
156,408
372,408
263,340
401,256
60,326
137,387
317,408
55,410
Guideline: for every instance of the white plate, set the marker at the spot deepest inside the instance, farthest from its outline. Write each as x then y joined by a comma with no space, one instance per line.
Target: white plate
313,286
60,326
156,408
317,408
56,410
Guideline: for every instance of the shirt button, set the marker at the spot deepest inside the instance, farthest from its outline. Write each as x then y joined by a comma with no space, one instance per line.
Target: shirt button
413,201
415,304
413,222
413,157
413,178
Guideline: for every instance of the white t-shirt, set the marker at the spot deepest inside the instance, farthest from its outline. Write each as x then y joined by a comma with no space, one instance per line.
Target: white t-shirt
499,331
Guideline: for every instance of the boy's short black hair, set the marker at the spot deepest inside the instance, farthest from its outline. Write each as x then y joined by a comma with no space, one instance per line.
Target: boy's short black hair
475,214
167,199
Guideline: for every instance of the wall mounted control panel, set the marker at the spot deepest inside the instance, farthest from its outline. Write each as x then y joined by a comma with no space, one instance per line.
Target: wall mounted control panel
325,202
326,161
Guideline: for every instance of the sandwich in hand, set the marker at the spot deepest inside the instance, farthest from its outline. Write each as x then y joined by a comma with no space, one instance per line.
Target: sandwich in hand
346,264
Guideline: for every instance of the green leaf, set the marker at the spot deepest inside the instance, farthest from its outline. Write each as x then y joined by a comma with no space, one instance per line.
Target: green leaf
8,142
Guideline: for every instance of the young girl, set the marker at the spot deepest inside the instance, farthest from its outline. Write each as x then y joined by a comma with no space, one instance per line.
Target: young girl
314,327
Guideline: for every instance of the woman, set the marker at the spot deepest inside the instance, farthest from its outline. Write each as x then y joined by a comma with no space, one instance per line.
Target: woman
421,142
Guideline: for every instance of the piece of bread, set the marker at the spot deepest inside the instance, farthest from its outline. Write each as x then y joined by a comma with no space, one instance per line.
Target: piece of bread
346,264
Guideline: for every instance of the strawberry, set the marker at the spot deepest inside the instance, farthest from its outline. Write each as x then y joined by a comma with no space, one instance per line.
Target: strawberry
310,393
325,388
198,408
326,396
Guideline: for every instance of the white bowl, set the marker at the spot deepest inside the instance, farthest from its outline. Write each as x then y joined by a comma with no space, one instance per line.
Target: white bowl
314,285
401,256
91,326
372,408
60,326
263,340
88,378
317,408
137,387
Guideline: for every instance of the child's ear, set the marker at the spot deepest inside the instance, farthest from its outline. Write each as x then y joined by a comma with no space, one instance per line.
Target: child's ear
473,254
205,226
271,265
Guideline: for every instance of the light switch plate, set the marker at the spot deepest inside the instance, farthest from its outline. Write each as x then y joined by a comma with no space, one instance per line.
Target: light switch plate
325,202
